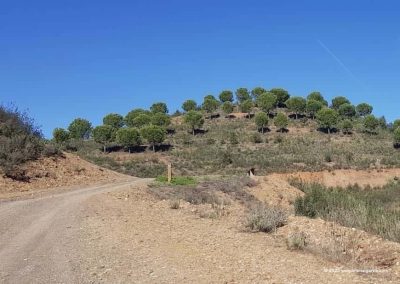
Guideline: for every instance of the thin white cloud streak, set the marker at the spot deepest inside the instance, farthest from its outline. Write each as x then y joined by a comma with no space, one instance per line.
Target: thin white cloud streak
340,62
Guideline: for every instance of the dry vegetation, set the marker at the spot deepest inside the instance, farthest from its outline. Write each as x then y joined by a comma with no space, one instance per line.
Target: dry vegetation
227,147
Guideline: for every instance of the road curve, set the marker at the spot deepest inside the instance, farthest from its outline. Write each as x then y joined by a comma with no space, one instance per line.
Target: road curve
38,237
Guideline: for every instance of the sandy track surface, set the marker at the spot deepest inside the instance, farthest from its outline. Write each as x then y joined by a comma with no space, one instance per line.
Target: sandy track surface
39,237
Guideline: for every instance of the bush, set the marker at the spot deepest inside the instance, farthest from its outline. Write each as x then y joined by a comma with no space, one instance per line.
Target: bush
256,138
261,120
346,126
369,210
266,219
20,141
227,107
281,121
51,150
296,241
371,124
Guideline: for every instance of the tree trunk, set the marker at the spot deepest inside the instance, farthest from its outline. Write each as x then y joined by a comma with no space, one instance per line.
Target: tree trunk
193,130
329,130
129,149
296,115
262,130
104,148
154,147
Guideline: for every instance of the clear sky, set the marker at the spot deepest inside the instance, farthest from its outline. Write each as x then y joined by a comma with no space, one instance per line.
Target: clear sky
67,59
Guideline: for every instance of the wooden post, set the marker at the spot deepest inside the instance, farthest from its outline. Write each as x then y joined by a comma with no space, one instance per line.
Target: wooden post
169,173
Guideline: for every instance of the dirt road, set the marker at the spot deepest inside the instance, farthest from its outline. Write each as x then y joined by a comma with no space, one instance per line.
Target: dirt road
38,237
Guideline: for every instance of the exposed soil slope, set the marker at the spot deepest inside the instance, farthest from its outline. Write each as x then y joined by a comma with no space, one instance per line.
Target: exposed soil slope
55,172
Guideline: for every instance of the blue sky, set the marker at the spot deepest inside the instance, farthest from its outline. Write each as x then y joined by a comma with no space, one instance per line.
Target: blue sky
68,59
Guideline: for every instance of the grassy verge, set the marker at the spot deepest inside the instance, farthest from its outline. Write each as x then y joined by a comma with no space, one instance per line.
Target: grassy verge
176,180
373,210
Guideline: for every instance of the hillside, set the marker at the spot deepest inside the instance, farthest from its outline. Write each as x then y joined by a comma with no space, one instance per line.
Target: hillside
268,130
232,146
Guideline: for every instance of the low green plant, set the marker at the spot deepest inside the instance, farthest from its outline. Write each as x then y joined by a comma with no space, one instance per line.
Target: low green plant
177,180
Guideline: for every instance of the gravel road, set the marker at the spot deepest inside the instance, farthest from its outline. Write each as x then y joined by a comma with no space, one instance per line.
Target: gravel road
38,237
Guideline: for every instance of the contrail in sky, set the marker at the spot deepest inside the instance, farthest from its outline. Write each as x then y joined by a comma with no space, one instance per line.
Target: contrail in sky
340,62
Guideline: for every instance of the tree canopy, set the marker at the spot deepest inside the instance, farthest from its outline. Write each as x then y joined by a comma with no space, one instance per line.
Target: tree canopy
257,91
338,101
130,117
113,119
189,105
227,107
281,121
281,96
226,96
371,123
266,101
161,119
296,105
327,118
159,107
364,109
60,135
246,106
129,137
194,119
141,120
261,120
317,96
347,110
313,106
242,94
210,104
80,128
153,134
104,134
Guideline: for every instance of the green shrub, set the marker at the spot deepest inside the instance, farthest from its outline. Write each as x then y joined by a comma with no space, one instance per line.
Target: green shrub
369,210
20,141
177,180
